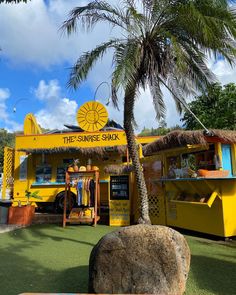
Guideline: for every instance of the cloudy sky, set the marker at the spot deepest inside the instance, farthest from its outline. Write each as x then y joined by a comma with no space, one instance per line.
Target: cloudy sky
35,59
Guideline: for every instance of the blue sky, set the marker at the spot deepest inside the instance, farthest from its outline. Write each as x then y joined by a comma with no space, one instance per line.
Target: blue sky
34,68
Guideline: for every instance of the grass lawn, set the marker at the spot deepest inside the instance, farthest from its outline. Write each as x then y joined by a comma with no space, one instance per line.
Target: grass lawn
48,258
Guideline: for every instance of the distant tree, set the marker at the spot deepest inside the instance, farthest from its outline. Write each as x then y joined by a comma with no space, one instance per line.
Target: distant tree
158,131
216,108
6,139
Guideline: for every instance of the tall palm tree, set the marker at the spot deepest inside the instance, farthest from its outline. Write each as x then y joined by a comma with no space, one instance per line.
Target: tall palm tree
163,43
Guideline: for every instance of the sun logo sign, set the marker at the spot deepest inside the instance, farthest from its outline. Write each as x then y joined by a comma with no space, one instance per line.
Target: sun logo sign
92,116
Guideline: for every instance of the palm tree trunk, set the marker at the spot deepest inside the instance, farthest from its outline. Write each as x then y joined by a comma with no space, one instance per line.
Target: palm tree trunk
133,151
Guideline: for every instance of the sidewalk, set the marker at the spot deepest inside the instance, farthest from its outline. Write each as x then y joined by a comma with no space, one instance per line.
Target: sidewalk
7,227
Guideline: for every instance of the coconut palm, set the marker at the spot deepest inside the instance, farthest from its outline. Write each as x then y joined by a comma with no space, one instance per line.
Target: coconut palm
163,43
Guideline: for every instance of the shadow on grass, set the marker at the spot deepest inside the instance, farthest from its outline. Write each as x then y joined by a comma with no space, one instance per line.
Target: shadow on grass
214,275
40,232
19,274
230,244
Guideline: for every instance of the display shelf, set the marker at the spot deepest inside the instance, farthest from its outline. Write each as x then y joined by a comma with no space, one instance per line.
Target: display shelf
82,220
209,202
70,177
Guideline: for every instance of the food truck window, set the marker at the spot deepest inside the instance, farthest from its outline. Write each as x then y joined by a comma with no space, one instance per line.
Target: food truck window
43,173
205,159
67,162
61,171
173,165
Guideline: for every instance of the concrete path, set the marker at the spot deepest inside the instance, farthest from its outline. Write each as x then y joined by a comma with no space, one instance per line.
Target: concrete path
7,227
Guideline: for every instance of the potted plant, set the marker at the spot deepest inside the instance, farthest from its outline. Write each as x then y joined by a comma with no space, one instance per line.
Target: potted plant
23,215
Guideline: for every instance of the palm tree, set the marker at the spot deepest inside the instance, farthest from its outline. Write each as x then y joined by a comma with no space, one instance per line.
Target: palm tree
163,43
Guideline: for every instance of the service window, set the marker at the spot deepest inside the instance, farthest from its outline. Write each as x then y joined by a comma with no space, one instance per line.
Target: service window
61,171
43,173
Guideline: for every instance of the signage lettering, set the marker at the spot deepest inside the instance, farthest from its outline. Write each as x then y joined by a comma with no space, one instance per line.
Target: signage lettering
90,138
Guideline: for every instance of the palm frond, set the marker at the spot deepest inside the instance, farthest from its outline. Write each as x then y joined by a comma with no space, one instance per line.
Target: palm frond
96,11
114,98
126,61
86,62
157,98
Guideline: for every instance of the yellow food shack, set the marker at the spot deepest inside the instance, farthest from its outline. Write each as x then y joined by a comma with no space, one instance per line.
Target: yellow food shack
39,162
195,185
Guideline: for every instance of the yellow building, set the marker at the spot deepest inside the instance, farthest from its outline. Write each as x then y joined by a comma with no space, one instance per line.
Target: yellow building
39,161
194,186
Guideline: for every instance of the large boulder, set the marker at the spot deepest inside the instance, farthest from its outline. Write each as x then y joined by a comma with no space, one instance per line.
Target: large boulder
140,259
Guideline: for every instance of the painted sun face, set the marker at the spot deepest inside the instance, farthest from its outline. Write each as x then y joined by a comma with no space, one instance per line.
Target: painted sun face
92,116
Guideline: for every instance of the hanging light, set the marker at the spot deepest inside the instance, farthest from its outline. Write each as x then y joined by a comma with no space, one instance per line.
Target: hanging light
108,100
14,107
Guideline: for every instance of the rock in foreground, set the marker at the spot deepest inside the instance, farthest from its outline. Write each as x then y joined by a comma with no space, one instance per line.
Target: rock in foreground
140,259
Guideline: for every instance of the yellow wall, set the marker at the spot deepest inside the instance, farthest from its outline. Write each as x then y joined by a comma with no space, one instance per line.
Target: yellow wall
79,139
215,216
65,140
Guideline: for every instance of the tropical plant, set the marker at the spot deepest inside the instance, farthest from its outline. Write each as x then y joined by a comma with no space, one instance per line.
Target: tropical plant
161,43
34,195
216,108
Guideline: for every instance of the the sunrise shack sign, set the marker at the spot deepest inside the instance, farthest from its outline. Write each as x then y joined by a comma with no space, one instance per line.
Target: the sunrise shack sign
92,117
108,137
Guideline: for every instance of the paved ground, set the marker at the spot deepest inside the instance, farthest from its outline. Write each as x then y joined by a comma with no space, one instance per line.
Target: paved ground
7,227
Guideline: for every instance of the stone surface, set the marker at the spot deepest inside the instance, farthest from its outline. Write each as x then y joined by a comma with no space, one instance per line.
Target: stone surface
9,227
140,259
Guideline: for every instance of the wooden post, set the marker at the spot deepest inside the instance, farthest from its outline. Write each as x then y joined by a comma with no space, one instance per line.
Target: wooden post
64,209
96,198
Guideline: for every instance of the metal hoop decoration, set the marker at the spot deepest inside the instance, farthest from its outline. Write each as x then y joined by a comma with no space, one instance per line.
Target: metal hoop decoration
104,82
18,100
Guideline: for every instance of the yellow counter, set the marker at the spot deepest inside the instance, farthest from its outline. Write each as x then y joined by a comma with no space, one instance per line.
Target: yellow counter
206,205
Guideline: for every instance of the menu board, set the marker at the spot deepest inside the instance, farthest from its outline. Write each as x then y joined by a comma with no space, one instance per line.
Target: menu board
119,213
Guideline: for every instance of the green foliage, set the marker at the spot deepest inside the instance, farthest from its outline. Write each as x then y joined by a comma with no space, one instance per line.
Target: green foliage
34,195
160,131
48,259
216,108
162,43
6,139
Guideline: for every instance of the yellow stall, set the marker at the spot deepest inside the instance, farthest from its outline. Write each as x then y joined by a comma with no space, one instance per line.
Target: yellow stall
40,160
197,181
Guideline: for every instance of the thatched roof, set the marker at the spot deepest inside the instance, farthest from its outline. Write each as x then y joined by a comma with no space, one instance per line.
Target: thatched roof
179,138
118,169
121,149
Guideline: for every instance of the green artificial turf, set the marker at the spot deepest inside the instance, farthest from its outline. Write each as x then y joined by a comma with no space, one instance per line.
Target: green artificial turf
48,258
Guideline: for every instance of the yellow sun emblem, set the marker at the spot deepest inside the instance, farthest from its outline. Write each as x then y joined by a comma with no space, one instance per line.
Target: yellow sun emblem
92,116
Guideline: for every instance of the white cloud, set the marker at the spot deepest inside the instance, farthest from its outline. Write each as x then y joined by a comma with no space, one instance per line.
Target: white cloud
48,91
58,110
225,73
4,95
30,33
5,120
